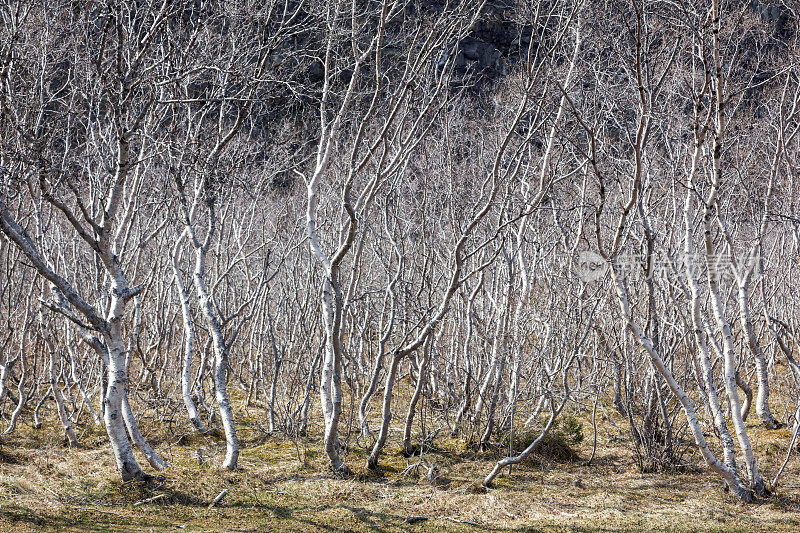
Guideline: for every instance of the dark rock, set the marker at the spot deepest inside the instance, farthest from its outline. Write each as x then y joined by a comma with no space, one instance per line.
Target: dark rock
316,71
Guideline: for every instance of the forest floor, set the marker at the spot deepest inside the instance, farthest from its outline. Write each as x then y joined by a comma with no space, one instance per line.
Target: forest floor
282,485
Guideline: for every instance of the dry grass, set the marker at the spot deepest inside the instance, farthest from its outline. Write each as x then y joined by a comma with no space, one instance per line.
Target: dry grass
283,486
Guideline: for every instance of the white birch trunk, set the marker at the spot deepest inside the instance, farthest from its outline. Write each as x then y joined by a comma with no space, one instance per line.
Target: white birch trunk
58,398
113,411
746,322
188,344
703,358
220,362
729,475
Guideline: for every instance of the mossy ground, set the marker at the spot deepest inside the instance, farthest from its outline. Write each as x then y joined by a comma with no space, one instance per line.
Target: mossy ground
283,485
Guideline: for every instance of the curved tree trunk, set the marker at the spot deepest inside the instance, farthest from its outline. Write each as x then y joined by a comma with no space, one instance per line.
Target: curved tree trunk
762,397
188,345
408,448
138,439
59,400
386,417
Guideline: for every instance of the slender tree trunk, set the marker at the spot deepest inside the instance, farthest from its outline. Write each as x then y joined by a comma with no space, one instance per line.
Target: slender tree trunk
730,475
499,361
22,399
365,399
220,361
138,439
408,448
59,401
276,367
331,375
729,365
188,345
748,395
113,408
304,407
386,416
762,397
4,373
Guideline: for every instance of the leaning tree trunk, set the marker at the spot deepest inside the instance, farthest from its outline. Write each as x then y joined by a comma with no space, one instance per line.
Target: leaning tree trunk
730,475
137,437
488,481
408,448
220,362
386,417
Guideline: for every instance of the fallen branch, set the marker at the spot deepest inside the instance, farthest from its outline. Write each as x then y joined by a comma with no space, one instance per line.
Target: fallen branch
457,521
149,500
219,498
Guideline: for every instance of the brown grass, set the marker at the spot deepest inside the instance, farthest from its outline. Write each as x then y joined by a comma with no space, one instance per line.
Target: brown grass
283,486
